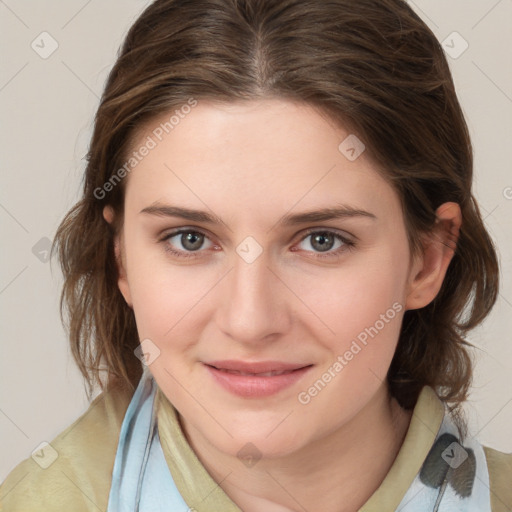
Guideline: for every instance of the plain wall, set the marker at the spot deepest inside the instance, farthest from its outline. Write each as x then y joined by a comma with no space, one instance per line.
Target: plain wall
47,108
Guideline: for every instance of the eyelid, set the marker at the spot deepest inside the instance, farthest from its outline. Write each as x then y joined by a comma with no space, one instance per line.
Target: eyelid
343,234
169,233
184,229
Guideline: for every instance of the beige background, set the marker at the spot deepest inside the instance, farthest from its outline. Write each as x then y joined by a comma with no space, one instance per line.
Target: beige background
47,106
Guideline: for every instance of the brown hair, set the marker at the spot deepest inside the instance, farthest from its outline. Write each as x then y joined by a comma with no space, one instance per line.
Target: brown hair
374,66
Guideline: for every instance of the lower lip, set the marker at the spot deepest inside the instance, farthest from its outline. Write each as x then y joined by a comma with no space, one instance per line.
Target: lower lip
249,386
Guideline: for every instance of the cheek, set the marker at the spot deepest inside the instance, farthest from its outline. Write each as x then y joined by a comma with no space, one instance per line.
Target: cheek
155,291
357,295
164,302
362,307
168,299
364,311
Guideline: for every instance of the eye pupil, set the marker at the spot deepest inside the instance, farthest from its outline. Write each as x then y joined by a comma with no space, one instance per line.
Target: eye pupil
321,239
192,241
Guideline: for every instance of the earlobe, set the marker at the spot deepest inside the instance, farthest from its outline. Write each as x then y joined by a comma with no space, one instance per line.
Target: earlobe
108,214
122,281
428,269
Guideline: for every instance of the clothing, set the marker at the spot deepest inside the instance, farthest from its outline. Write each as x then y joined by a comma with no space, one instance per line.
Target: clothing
81,480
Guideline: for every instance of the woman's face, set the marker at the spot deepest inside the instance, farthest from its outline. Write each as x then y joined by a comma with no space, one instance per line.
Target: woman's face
255,276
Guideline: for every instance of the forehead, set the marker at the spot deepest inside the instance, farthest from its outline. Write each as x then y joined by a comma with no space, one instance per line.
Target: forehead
261,152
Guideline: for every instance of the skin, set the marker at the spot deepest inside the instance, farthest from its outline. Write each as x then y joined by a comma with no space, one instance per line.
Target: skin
250,164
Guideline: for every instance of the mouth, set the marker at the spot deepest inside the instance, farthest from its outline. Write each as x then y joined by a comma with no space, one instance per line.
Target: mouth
256,379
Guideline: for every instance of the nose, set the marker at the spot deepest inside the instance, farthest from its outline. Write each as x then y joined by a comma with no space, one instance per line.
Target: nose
254,302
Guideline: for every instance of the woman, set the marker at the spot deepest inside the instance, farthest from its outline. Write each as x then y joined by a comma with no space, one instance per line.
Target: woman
276,260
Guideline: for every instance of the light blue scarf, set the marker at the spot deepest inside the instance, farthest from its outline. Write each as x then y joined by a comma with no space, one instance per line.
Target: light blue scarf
141,480
454,478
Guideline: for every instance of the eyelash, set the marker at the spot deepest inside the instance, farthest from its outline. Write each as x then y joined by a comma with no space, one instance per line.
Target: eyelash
348,245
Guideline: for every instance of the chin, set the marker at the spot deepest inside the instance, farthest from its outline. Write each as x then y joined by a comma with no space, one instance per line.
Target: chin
258,444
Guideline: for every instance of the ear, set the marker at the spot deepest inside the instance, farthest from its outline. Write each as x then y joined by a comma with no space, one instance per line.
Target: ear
122,282
429,268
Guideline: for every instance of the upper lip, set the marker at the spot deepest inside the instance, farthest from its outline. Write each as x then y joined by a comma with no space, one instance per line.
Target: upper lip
256,366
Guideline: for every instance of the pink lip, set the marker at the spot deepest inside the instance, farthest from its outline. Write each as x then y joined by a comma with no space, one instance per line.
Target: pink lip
255,386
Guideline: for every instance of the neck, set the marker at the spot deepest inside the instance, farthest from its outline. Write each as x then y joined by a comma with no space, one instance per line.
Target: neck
337,473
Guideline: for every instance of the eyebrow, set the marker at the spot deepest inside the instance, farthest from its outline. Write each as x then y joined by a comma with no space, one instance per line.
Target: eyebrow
322,214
